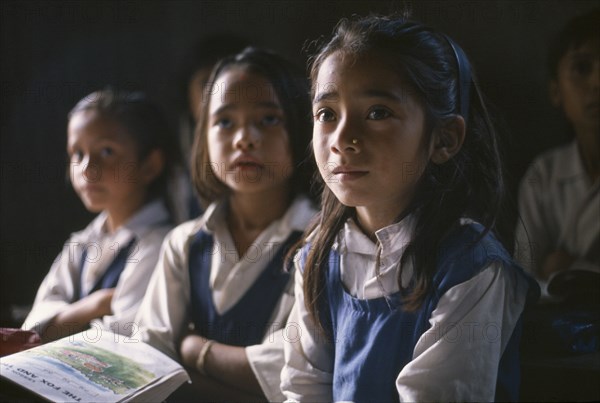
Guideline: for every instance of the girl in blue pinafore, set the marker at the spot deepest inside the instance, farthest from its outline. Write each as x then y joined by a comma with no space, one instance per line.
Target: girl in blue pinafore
121,158
224,273
403,293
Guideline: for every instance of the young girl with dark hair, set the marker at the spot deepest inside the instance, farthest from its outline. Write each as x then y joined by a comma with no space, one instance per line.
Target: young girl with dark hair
403,291
221,296
191,94
559,196
121,155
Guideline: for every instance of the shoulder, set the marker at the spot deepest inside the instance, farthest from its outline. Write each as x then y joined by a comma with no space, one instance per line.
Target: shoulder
549,165
302,255
466,250
304,249
155,232
471,236
180,236
300,213
92,232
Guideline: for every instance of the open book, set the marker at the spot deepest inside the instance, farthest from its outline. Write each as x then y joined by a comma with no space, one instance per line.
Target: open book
95,366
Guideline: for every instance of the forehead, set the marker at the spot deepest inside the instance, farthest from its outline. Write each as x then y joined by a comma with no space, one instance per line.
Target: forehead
92,125
341,73
240,87
588,49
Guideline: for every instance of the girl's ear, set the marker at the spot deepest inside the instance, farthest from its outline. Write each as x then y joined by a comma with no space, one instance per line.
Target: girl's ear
447,140
152,166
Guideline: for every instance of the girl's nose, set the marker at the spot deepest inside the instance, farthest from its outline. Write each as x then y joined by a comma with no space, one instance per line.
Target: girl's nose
346,138
91,170
247,138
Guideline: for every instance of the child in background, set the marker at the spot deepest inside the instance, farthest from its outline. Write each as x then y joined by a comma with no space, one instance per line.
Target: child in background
194,75
121,154
559,197
191,89
403,292
223,273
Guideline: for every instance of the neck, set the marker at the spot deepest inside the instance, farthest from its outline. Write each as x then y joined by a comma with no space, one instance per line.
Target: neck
255,211
119,215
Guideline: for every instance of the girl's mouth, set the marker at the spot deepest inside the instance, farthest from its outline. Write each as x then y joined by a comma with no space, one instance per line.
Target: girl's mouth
348,173
244,165
246,162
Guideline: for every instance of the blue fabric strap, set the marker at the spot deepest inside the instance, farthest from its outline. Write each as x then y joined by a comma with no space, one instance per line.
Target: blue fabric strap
111,276
246,323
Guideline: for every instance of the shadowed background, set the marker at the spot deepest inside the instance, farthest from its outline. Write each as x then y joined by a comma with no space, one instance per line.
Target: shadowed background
54,53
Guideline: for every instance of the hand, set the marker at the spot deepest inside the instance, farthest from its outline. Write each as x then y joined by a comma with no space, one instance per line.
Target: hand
100,301
15,340
77,316
556,261
189,349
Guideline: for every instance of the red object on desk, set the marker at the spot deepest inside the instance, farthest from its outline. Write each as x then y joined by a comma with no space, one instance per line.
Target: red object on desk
15,340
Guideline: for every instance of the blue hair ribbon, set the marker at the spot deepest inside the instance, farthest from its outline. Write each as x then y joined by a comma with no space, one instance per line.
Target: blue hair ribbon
464,77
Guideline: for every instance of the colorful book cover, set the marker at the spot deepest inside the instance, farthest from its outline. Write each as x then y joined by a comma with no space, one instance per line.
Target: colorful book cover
104,367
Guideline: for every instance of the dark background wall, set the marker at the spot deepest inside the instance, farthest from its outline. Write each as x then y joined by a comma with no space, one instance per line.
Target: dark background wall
54,53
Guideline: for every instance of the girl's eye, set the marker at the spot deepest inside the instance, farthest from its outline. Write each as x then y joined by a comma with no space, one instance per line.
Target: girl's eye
379,114
224,123
324,115
270,120
107,151
582,67
76,156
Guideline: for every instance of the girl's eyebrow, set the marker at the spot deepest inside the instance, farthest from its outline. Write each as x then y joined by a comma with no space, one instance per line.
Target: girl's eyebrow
222,108
92,143
268,104
326,96
369,93
390,95
583,54
233,105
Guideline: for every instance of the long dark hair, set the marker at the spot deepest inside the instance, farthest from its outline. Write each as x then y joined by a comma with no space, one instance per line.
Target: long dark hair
469,185
145,122
292,90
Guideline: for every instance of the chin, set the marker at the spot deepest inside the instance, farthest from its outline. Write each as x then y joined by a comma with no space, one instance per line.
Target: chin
254,187
350,201
92,207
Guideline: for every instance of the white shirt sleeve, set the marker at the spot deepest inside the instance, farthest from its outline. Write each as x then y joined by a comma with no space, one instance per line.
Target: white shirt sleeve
457,358
308,371
58,289
534,236
162,318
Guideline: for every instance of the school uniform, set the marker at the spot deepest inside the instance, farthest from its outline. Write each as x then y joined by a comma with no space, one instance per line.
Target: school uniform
93,258
461,344
237,300
559,208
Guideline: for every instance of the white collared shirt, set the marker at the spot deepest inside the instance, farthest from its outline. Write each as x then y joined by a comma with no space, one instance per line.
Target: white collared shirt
358,257
66,280
165,312
488,305
560,208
